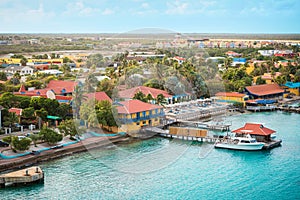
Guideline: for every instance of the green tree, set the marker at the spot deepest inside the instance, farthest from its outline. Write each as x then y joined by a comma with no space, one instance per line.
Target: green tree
20,144
90,83
105,113
106,86
70,127
95,60
78,98
260,81
50,136
28,113
34,138
10,119
87,112
161,100
3,76
140,96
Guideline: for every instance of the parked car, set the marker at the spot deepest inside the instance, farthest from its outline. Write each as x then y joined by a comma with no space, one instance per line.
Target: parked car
3,144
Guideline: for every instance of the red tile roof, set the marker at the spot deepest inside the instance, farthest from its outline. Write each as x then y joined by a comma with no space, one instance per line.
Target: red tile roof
60,97
230,94
265,89
135,106
18,111
99,96
129,93
58,85
256,129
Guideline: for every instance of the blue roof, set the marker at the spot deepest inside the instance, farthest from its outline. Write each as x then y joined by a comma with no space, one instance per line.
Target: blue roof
292,85
239,59
265,101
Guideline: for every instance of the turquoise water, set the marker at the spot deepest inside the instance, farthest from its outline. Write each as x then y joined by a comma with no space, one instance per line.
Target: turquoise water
162,168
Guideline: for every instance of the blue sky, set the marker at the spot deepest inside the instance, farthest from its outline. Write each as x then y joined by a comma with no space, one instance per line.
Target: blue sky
99,16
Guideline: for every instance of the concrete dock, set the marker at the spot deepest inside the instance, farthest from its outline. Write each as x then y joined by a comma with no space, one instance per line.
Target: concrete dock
22,177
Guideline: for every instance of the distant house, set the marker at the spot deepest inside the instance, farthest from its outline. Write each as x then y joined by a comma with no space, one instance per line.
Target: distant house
179,59
232,97
238,61
129,94
265,91
232,53
269,78
57,87
51,72
135,114
293,87
17,111
22,70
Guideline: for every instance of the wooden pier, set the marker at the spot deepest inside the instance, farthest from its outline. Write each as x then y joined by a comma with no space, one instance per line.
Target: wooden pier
184,133
22,177
261,108
198,124
272,144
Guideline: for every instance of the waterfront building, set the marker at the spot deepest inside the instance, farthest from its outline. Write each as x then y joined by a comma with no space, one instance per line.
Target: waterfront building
293,87
261,133
232,97
135,114
265,91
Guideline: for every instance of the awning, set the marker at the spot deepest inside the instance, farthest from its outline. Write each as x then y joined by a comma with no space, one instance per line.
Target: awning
53,117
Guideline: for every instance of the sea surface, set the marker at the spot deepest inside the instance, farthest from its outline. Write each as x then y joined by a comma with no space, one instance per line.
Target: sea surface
161,168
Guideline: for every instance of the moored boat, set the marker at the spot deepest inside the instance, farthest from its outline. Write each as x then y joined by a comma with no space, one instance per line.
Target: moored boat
241,141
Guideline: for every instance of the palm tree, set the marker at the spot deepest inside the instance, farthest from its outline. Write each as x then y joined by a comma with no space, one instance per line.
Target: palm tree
160,100
78,97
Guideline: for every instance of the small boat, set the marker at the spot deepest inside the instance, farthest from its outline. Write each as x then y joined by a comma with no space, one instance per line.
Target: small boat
239,142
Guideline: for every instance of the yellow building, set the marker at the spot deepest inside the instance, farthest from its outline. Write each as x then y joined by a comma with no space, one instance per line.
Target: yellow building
250,68
232,97
135,114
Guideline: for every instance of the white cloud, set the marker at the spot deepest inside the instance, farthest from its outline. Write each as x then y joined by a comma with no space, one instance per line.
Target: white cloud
177,7
80,9
25,14
108,11
145,5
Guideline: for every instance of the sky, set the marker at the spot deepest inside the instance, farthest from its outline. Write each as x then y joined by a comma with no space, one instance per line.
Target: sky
121,16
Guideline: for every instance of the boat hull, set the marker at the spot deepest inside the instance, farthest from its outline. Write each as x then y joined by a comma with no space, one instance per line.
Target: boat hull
244,147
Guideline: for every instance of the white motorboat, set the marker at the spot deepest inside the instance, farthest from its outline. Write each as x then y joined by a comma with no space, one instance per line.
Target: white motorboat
239,142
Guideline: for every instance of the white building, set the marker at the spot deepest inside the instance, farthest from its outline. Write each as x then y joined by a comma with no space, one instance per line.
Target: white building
22,70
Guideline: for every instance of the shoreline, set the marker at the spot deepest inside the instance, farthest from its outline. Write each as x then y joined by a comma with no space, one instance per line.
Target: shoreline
82,146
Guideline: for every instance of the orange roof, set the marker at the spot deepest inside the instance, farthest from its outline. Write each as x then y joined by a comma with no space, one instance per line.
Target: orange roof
18,111
135,106
129,93
265,89
255,129
230,94
99,96
179,58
